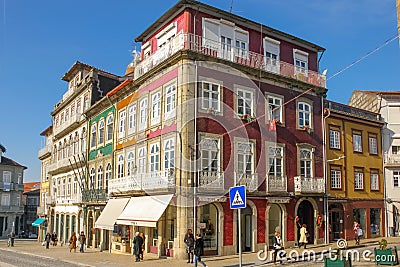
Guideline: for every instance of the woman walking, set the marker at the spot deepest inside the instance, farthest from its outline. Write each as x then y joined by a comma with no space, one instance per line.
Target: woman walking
357,232
198,250
277,245
189,242
48,239
303,236
72,242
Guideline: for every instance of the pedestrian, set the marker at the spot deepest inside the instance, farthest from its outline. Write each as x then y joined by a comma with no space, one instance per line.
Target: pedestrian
48,239
82,241
137,246
198,250
189,242
11,237
143,245
358,232
277,245
72,242
54,238
303,236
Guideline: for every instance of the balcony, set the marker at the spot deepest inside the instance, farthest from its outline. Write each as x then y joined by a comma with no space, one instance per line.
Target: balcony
12,209
303,185
51,200
63,165
45,152
392,159
276,184
161,181
67,125
210,181
249,180
94,196
215,49
73,199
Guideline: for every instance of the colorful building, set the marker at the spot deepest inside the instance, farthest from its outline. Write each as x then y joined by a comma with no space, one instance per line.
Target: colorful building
355,179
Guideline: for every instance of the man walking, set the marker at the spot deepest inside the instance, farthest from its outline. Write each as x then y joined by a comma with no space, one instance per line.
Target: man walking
137,246
82,241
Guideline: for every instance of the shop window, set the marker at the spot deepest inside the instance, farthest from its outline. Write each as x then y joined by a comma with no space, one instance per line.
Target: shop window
209,226
375,221
359,216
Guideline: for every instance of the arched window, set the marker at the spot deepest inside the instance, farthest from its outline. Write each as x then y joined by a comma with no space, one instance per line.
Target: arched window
108,175
93,136
92,176
154,157
141,160
130,160
304,114
120,173
101,132
100,178
169,154
110,121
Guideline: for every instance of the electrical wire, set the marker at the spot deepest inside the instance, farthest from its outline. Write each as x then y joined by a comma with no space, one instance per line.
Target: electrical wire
365,56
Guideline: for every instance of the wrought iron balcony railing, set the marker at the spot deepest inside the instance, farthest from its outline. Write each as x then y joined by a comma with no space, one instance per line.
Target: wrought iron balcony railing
94,195
249,180
392,159
210,181
309,185
199,44
276,184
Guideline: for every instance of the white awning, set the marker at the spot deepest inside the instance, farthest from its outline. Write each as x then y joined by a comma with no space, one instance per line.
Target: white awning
144,211
110,213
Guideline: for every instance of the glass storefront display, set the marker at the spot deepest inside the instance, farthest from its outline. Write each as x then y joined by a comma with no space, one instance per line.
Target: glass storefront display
208,218
375,221
360,217
274,221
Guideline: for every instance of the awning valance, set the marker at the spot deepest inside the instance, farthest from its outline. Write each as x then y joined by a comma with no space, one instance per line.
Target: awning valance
144,211
38,222
110,213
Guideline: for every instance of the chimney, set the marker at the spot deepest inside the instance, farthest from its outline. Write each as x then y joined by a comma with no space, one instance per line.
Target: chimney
2,150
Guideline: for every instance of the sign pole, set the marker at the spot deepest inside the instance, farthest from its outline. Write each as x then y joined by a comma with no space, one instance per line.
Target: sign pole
240,238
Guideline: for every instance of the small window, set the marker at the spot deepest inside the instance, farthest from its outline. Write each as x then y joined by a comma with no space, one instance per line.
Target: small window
132,119
374,180
334,138
143,114
155,108
244,103
373,144
6,176
357,142
336,177
169,154
300,62
358,179
130,163
93,136
275,108
170,102
110,121
396,179
154,157
304,115
122,122
141,160
120,170
275,161
101,132
306,164
396,150
211,94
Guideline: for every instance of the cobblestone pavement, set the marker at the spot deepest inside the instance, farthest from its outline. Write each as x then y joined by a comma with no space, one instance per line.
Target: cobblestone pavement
93,257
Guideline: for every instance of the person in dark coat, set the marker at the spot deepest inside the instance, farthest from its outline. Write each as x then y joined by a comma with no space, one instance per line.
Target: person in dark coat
277,245
189,241
198,250
137,246
54,238
48,239
82,241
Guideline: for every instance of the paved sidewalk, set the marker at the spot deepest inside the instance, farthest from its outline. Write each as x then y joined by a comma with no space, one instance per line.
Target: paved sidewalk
93,257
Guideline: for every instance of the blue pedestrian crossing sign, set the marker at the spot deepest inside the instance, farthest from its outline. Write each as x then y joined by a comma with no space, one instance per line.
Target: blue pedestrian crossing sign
237,197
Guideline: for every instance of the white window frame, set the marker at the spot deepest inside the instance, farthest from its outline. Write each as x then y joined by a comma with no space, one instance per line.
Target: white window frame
396,178
132,116
5,199
141,160
276,160
247,103
336,179
373,145
358,180
395,150
110,127
272,102
169,154
154,157
374,181
306,163
155,108
101,130
170,102
211,99
304,115
7,176
92,178
244,158
130,163
300,60
334,138
210,154
93,136
357,142
122,124
121,166
108,175
100,177
143,114
272,55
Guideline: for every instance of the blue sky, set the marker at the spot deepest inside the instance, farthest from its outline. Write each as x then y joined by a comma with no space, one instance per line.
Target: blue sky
40,40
